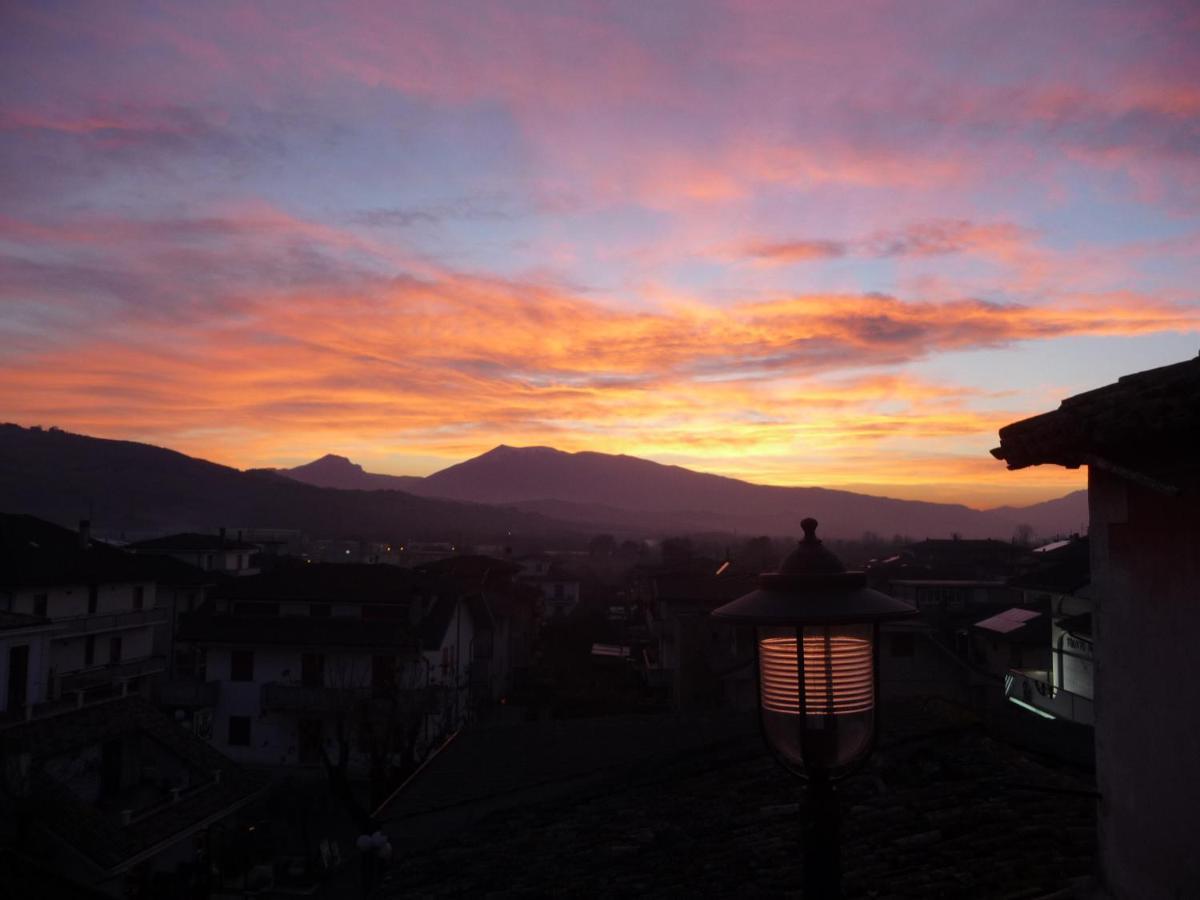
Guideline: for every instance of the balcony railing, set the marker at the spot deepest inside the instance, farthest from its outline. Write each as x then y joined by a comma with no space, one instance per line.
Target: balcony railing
116,621
277,697
92,676
68,702
1033,690
187,693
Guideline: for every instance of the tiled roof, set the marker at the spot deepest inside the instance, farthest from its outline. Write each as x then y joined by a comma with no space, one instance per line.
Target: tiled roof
87,829
167,570
939,812
191,542
332,631
470,567
34,553
1062,571
1150,417
326,583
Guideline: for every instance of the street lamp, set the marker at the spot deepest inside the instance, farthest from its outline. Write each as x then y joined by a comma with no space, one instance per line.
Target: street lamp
818,638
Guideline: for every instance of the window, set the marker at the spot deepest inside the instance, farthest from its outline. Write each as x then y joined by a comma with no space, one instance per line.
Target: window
114,650
208,561
241,665
89,650
323,610
93,599
559,589
39,605
239,731
902,644
139,597
312,669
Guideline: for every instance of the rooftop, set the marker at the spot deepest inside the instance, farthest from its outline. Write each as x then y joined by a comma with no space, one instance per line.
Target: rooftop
1150,417
191,542
941,811
331,631
328,583
35,553
1063,570
96,835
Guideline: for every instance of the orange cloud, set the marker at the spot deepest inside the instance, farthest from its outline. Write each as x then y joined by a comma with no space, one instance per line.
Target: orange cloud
446,366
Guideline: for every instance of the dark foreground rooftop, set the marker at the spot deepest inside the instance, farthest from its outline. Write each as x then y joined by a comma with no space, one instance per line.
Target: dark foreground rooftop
941,811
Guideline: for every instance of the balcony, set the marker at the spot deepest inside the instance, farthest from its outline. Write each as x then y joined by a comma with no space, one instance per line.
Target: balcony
187,693
76,699
1032,690
106,673
102,622
278,697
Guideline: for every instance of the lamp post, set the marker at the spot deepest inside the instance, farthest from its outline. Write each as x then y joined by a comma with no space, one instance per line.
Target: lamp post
818,638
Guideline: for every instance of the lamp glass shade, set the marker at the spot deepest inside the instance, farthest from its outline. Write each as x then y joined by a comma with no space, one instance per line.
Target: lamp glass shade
817,693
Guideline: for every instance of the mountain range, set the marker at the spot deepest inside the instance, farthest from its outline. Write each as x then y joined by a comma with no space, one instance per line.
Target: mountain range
627,493
139,488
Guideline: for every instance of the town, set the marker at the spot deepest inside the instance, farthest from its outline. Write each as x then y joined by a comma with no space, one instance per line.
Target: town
260,710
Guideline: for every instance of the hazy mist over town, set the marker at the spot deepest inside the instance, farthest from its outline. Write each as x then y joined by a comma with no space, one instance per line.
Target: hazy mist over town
599,448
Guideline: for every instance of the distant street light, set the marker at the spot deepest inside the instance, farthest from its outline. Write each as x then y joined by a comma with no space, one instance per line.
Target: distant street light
814,617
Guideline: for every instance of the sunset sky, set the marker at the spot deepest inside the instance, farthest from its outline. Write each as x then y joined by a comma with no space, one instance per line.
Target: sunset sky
831,244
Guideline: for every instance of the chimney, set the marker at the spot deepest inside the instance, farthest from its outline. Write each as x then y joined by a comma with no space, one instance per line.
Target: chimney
221,534
85,533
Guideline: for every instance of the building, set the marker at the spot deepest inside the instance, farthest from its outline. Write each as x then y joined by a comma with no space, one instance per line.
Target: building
366,664
1059,680
953,583
116,796
102,602
511,612
1138,438
24,664
696,661
559,588
209,552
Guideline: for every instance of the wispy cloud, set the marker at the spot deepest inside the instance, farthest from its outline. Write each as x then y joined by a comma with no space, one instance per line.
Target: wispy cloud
938,238
778,238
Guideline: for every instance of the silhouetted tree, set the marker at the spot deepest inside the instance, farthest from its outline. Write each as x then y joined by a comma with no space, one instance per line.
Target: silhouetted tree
1023,534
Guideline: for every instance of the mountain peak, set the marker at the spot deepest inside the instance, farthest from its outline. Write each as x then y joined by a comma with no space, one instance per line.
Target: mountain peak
335,458
330,462
509,450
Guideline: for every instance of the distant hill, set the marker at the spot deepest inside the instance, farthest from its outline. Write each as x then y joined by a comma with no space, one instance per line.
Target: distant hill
1065,515
334,471
137,488
627,493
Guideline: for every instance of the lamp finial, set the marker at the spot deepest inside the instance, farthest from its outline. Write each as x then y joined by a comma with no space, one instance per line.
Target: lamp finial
810,531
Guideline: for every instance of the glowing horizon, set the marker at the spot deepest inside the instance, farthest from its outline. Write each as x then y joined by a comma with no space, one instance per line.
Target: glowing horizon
793,244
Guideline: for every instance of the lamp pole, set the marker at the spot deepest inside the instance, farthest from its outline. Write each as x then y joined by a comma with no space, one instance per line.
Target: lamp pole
822,840
818,649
